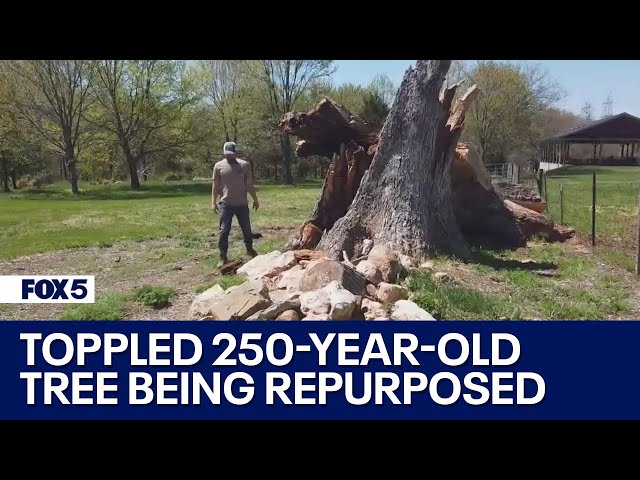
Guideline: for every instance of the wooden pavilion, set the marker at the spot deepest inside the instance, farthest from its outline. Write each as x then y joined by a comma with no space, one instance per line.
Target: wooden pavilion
622,129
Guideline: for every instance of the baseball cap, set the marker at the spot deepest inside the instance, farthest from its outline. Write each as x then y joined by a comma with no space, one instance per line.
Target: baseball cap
229,147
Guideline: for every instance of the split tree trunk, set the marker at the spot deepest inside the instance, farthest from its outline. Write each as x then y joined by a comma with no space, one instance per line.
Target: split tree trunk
407,186
405,198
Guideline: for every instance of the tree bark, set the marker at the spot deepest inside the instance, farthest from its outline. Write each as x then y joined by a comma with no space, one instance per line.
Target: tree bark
287,157
412,186
533,223
73,174
408,181
5,173
133,171
13,175
64,173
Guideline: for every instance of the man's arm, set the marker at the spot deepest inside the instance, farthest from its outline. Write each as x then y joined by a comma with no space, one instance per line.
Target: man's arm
251,188
215,190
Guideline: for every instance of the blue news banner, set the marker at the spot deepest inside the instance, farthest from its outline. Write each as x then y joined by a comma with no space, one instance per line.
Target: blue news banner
320,370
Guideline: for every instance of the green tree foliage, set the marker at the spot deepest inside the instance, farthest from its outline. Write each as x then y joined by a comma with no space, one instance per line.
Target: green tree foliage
22,151
374,109
383,87
52,96
116,119
143,103
506,117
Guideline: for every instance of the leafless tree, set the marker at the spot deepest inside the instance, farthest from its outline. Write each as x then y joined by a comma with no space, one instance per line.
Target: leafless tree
587,111
223,87
284,82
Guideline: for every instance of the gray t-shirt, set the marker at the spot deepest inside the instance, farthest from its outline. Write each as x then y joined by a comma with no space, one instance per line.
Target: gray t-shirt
233,181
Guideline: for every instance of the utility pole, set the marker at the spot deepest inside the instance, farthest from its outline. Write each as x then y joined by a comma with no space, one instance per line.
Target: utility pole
607,106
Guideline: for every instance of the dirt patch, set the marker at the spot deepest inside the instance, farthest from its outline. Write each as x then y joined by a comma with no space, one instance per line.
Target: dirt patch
515,191
579,244
188,263
182,263
469,277
120,269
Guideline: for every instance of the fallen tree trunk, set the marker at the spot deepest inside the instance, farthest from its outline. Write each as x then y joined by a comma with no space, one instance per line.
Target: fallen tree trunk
533,223
411,186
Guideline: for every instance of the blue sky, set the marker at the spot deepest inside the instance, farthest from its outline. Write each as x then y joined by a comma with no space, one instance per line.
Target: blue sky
582,80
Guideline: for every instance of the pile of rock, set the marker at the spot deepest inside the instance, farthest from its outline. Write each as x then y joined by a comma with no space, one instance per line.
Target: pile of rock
306,285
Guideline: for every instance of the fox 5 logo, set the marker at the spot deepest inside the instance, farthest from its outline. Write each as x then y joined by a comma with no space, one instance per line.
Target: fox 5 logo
47,289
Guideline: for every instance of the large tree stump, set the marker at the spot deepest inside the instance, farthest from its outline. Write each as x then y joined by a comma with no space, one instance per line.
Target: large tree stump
330,130
413,186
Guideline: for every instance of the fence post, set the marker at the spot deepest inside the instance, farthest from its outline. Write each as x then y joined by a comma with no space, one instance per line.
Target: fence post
561,205
593,211
539,181
546,192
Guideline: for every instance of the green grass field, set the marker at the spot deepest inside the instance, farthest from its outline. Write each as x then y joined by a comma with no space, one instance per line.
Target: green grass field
49,219
616,198
152,250
616,207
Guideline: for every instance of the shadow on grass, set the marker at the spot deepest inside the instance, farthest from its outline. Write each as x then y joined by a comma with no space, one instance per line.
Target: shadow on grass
146,191
489,259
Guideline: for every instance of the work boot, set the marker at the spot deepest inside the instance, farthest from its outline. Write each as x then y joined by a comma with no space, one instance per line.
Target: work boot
251,252
223,261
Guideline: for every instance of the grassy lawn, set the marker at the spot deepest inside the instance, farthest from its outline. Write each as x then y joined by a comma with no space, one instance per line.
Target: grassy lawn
616,198
50,219
616,207
544,281
153,250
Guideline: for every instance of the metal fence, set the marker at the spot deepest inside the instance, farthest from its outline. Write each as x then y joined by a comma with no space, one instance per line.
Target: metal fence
601,204
511,172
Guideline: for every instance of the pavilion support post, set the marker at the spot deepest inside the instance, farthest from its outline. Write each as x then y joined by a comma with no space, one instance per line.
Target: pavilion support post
633,147
622,151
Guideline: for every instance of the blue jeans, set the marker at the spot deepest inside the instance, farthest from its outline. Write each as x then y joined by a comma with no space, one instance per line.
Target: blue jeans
226,216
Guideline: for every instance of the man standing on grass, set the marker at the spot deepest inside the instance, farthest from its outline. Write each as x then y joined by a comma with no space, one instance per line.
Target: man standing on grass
231,182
